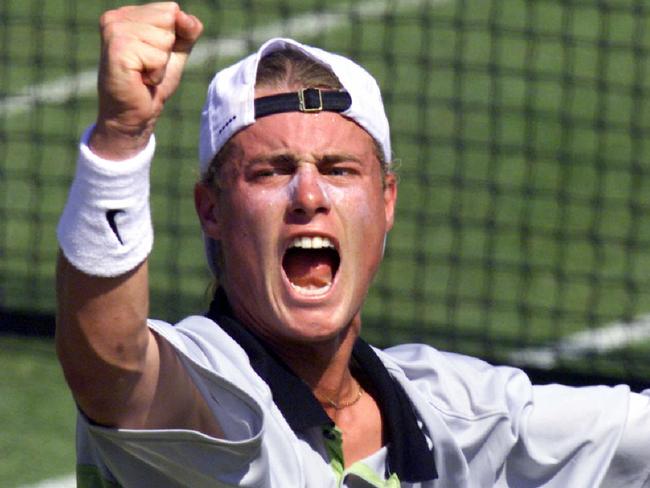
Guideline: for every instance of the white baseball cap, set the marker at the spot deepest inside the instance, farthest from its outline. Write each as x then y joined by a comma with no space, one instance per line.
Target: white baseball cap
231,105
230,101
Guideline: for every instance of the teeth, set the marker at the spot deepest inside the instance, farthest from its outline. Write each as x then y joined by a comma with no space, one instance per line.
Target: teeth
311,291
312,243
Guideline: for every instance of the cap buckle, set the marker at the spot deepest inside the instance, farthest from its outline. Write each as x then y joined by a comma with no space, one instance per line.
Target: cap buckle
310,100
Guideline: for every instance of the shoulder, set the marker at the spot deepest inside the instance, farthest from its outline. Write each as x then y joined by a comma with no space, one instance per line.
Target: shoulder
459,383
456,384
202,341
468,391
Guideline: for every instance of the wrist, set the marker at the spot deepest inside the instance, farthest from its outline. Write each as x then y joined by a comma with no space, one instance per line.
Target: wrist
114,142
105,229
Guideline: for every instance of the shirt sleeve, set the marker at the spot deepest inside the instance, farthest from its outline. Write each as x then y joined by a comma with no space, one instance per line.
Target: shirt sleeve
569,436
512,433
631,463
176,457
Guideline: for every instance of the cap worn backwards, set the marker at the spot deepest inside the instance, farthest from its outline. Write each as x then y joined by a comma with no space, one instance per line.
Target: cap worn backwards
231,105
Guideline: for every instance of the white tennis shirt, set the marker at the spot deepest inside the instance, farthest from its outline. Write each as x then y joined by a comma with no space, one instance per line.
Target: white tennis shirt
481,426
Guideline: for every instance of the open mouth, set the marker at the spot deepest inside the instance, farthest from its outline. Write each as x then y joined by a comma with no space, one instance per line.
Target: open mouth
310,264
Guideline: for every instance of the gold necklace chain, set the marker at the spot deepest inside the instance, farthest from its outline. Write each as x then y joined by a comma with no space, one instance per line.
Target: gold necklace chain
342,405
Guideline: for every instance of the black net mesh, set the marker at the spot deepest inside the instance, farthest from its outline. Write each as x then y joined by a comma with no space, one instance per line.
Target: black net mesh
520,131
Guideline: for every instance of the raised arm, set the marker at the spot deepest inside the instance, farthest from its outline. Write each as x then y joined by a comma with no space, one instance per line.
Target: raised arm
120,373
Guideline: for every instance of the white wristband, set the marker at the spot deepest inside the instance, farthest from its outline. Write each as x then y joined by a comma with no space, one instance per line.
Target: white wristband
106,229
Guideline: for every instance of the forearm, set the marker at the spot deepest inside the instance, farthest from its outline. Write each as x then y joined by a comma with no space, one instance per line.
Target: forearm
102,339
120,373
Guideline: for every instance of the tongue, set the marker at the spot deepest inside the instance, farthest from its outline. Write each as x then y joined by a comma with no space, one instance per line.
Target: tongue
309,269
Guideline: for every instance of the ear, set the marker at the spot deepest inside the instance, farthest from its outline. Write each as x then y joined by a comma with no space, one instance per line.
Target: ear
206,205
390,199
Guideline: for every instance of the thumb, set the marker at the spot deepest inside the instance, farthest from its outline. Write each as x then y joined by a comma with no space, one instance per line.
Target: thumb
188,30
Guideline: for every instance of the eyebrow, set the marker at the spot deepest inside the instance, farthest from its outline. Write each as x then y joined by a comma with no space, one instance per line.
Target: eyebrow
284,158
337,158
281,158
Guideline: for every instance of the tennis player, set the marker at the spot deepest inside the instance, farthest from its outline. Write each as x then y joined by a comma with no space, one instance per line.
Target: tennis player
273,386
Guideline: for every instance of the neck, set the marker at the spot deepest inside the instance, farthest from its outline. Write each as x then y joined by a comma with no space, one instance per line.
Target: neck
324,365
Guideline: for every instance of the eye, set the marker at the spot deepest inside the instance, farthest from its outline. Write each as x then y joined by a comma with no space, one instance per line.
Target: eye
339,165
270,167
340,170
265,171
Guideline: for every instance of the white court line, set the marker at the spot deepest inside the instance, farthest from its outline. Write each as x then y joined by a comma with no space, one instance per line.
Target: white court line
69,481
600,340
82,84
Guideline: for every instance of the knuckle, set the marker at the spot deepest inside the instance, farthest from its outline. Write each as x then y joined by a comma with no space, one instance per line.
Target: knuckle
109,29
173,7
163,59
168,17
170,38
107,18
114,15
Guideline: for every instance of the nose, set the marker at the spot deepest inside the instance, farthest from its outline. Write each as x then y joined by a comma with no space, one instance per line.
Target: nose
308,193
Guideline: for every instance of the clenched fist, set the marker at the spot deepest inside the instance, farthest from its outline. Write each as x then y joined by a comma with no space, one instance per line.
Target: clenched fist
144,50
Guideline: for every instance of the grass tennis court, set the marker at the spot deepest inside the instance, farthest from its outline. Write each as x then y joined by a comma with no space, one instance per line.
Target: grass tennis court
37,413
520,130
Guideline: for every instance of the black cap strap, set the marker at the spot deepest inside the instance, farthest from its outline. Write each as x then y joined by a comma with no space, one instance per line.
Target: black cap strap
306,100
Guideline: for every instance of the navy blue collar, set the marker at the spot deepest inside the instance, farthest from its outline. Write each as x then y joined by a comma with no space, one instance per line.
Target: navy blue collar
409,454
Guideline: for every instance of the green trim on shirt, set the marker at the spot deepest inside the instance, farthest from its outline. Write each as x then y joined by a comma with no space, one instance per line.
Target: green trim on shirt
88,476
369,475
333,440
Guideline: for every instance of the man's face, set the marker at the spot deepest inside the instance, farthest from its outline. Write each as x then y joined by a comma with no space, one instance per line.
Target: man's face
301,213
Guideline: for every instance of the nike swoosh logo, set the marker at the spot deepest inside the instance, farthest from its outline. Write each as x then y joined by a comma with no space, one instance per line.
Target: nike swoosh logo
110,217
